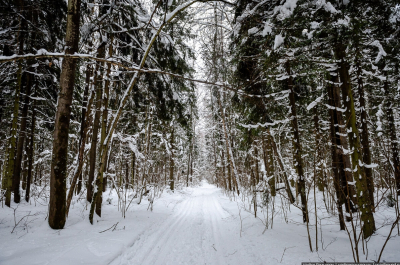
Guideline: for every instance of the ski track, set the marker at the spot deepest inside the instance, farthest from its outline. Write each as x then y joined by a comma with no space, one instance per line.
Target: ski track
198,232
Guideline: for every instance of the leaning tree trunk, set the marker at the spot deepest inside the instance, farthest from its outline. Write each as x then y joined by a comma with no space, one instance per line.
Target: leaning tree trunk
82,143
58,179
364,202
285,176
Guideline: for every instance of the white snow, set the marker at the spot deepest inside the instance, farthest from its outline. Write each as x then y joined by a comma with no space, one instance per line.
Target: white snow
381,52
267,29
191,226
278,41
315,102
285,10
252,31
327,6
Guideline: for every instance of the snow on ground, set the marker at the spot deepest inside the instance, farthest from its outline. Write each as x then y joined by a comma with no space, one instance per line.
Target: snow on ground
192,226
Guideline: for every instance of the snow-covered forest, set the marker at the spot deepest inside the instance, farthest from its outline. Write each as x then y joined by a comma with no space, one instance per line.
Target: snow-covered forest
199,131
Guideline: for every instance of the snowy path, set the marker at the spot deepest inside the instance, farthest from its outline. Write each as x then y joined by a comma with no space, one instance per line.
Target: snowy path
198,232
198,225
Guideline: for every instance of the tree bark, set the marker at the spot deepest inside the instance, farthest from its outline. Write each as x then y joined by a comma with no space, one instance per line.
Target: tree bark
268,163
60,143
256,164
103,149
321,181
347,191
363,196
285,177
393,136
82,143
133,167
96,123
21,139
84,123
366,152
171,162
297,148
30,150
231,170
337,164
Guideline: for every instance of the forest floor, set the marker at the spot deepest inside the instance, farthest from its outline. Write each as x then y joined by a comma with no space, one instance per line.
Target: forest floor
198,225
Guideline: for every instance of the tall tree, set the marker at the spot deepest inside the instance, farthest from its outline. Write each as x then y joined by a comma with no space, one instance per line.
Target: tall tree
58,178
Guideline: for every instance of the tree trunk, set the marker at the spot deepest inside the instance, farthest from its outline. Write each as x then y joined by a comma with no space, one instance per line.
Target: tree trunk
268,163
133,167
103,149
257,175
96,123
321,182
8,178
21,139
393,136
25,164
10,168
171,162
231,169
83,133
297,148
365,139
60,143
188,170
82,143
30,151
337,165
342,148
363,196
285,177
126,175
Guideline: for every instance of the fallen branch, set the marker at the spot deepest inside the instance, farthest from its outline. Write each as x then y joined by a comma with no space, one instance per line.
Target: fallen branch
388,237
113,226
